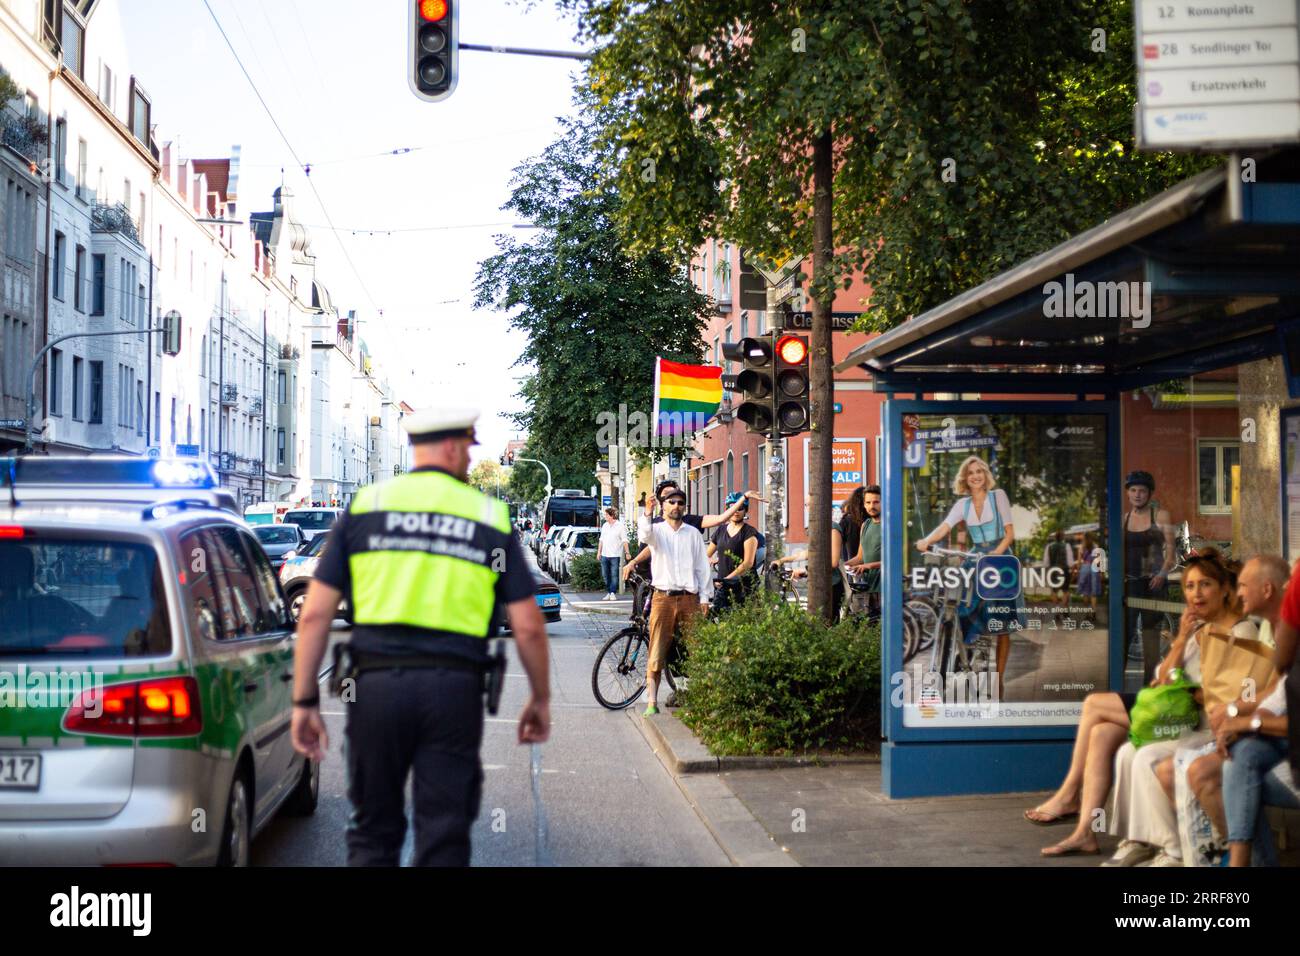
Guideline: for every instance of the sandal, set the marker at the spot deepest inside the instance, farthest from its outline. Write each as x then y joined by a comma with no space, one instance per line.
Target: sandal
1060,849
1050,819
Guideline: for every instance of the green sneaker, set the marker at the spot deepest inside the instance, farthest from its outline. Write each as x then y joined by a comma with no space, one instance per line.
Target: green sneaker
650,711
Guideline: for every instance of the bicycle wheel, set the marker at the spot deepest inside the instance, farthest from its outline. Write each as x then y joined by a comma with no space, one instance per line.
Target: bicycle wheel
927,618
618,676
911,635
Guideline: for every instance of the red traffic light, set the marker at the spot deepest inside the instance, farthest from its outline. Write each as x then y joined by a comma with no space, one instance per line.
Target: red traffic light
792,349
433,9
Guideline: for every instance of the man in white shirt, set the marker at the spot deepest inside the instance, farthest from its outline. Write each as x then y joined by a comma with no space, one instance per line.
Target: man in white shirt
683,582
613,545
1251,731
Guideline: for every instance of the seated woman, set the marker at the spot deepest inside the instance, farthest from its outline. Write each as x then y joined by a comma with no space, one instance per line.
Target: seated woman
1104,725
1145,817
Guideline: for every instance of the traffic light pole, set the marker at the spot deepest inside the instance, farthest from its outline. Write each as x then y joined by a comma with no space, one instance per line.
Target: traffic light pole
775,491
28,431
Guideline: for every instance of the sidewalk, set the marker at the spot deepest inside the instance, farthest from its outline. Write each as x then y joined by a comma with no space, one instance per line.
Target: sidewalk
593,601
837,815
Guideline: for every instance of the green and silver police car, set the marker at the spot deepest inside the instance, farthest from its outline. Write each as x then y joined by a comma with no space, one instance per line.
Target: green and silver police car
146,657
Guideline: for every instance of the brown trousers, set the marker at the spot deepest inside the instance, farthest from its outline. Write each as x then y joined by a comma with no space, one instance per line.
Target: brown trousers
667,614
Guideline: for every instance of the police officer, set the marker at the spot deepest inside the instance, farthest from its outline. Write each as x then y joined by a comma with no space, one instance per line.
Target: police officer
423,559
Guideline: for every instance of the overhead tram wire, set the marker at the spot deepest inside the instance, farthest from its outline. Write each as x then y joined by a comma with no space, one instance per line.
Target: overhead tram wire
292,152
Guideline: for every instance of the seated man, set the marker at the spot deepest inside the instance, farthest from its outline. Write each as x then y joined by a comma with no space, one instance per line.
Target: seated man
1234,783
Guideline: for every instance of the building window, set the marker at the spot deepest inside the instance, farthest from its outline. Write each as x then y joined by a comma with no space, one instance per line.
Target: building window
74,35
83,168
106,88
173,420
155,432
76,388
98,265
96,393
60,150
1214,461
79,280
744,472
60,251
282,388
139,407
189,425
138,116
56,382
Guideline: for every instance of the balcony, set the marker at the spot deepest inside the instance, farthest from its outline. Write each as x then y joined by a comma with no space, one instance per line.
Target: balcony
230,394
226,461
255,405
24,135
114,217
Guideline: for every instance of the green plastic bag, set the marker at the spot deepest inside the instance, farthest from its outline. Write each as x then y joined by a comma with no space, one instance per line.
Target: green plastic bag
1163,712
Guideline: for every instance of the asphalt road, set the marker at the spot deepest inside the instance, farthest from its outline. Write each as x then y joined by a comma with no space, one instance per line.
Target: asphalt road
608,800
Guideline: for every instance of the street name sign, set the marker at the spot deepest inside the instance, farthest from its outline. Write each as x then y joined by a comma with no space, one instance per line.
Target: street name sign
802,321
17,423
1215,75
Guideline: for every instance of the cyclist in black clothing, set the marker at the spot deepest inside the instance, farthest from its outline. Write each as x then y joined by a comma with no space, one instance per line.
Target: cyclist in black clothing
1148,557
736,545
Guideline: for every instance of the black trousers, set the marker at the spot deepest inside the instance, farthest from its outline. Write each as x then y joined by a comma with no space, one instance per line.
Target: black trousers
1151,620
428,721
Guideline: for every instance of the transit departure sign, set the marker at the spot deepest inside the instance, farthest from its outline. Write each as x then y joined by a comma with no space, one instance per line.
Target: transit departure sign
1217,75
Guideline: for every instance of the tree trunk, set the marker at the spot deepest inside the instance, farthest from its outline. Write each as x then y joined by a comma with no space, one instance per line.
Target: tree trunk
821,397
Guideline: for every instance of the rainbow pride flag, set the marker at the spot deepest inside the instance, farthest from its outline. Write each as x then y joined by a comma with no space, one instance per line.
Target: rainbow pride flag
686,396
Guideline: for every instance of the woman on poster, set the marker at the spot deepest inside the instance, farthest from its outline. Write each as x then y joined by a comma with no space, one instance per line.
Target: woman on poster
984,510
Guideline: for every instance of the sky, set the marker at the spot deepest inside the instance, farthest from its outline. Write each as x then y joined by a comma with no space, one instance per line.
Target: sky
334,74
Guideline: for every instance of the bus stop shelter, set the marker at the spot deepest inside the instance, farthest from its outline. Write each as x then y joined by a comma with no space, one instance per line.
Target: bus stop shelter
1167,340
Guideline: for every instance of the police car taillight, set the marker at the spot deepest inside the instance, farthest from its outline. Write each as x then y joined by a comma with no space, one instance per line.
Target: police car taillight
11,532
160,707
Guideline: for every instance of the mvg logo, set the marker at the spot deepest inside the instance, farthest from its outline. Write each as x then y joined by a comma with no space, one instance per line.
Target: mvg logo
1055,433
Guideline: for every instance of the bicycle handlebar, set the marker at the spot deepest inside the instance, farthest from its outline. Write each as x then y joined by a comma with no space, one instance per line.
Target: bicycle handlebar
949,552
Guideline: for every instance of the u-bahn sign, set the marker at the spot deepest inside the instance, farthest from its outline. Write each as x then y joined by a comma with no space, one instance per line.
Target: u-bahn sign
1216,75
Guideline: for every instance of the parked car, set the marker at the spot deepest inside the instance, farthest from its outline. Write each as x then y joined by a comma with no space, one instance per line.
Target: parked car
172,644
544,548
278,540
297,571
548,600
312,521
553,553
583,542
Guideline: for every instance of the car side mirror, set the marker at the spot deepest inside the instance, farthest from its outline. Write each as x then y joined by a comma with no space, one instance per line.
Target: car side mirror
290,554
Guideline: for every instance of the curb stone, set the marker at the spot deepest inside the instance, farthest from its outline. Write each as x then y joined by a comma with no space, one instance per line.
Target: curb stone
736,830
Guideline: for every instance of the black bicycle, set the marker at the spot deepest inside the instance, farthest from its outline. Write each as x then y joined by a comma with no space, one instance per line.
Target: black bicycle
618,676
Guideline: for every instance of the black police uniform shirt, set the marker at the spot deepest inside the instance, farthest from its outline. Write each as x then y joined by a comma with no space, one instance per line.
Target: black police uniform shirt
513,584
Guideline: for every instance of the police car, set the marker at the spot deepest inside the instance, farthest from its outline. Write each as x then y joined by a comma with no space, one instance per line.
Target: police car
146,657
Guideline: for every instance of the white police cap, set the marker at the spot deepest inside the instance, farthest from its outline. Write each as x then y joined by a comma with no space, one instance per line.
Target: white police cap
435,424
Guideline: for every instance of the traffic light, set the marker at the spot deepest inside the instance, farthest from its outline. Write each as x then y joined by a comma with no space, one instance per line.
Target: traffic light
754,382
435,45
791,384
171,333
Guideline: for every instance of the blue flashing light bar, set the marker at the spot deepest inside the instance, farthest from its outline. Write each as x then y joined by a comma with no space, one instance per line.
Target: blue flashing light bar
107,470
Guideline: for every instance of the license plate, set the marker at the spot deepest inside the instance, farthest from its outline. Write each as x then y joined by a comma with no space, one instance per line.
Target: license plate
551,602
20,771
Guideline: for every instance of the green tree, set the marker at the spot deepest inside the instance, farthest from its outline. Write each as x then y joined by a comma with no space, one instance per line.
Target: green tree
489,477
927,144
595,314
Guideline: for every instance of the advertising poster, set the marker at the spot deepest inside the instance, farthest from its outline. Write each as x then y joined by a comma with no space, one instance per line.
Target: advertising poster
1005,569
848,471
